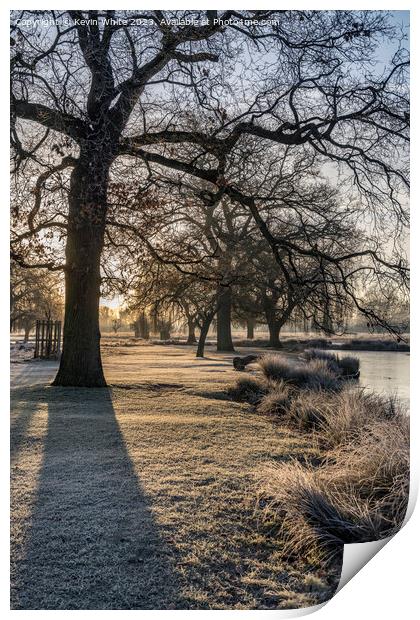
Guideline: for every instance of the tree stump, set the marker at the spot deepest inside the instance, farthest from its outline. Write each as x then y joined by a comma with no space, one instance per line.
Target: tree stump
240,363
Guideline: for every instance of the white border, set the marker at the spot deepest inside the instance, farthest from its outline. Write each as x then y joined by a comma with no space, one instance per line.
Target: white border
387,585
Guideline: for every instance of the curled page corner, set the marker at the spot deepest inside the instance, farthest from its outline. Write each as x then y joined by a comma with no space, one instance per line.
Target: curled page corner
357,555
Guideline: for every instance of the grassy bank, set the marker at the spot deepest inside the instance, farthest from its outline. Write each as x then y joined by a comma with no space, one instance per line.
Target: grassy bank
357,490
340,343
288,343
365,344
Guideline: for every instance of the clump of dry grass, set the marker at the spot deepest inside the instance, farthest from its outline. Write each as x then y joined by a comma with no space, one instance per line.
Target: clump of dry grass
311,397
247,389
316,354
336,418
378,459
313,375
277,401
360,494
309,408
347,414
347,366
360,491
312,520
275,367
316,375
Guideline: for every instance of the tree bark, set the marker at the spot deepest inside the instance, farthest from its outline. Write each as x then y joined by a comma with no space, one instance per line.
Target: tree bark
191,331
327,324
145,329
141,327
165,333
250,324
80,363
224,329
27,330
274,331
204,330
275,321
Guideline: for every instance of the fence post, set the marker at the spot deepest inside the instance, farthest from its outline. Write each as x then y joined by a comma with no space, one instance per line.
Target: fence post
47,339
58,338
36,353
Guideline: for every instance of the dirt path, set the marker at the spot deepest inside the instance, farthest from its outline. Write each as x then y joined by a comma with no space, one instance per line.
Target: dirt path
140,496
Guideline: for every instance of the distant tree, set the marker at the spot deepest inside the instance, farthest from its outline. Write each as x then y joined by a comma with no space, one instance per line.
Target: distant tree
162,295
34,294
105,315
142,325
116,325
392,305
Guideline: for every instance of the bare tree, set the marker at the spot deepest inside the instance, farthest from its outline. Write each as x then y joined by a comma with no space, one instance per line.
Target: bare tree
93,84
34,294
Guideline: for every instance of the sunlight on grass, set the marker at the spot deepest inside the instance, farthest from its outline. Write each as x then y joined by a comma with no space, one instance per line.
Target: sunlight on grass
29,426
189,458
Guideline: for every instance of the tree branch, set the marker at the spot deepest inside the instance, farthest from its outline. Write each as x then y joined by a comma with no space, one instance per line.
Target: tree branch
53,119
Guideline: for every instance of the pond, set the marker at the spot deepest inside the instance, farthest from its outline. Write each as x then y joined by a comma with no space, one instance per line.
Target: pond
384,372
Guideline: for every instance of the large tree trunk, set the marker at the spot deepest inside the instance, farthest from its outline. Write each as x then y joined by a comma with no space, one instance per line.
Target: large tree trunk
141,327
327,324
145,329
204,330
80,363
191,331
274,331
250,324
27,329
165,333
274,324
275,321
224,329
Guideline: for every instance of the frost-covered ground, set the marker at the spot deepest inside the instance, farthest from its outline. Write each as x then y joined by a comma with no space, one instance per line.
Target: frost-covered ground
21,351
140,496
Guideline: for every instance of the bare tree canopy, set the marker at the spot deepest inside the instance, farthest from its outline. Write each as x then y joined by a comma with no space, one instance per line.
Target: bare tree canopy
256,108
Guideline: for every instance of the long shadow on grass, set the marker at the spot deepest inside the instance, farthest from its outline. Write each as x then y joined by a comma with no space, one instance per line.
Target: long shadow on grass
20,423
92,542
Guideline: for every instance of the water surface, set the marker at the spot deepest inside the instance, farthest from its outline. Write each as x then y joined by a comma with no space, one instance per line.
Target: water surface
385,372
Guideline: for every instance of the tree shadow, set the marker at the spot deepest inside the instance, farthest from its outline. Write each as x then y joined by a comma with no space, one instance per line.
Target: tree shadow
20,422
92,542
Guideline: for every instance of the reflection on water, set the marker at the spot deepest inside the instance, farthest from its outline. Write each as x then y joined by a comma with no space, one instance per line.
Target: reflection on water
384,372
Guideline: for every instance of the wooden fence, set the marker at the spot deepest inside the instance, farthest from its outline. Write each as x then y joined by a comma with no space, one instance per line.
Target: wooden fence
48,339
